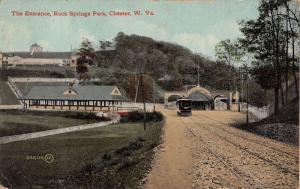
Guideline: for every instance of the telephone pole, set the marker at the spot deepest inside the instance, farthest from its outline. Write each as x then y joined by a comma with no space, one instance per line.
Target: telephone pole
247,118
245,71
154,92
228,99
143,93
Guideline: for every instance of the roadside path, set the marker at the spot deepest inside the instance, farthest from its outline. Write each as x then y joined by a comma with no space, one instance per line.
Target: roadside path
27,136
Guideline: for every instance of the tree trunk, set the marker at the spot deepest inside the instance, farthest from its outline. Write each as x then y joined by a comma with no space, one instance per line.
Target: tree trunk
287,58
277,67
276,94
281,93
294,66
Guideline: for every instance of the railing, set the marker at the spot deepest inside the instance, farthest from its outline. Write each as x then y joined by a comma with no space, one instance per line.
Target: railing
127,108
171,105
260,113
15,88
149,106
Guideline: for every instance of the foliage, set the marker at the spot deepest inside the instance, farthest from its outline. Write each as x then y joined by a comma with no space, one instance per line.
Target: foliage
86,55
269,38
258,96
229,52
137,54
139,116
104,51
122,168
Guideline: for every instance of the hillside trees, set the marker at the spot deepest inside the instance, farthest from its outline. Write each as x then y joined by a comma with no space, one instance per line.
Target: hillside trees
102,56
158,59
268,39
86,57
230,53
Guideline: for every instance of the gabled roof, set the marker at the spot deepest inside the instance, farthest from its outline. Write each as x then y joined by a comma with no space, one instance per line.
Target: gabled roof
44,55
85,92
198,96
200,90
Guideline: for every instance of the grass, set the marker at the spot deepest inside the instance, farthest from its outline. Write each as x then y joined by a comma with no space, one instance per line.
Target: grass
93,158
14,122
20,72
44,68
7,97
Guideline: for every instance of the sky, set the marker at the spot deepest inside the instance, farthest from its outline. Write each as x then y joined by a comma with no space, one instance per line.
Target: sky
195,24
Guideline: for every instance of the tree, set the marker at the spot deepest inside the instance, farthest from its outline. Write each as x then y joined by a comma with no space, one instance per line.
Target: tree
104,46
230,53
86,57
267,38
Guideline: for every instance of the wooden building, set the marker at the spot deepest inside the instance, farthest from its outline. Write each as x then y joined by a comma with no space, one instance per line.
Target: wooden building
86,97
201,98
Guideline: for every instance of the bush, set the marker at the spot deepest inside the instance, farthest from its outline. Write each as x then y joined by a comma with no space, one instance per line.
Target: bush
127,163
139,116
133,146
86,116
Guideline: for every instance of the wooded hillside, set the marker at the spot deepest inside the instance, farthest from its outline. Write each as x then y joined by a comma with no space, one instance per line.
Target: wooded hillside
139,54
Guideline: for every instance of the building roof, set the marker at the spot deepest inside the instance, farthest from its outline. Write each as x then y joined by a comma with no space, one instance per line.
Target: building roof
85,92
198,96
200,90
43,55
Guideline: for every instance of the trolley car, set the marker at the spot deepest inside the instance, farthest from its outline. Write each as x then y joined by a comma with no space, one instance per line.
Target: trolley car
184,107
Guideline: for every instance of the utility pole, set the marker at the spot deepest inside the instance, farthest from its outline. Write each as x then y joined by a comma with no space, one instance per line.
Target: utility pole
154,92
242,91
239,102
137,88
198,75
142,89
229,99
247,117
27,86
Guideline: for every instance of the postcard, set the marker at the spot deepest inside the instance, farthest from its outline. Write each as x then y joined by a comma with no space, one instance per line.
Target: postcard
154,94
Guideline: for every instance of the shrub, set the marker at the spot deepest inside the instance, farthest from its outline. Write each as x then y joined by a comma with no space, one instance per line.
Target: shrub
139,116
133,146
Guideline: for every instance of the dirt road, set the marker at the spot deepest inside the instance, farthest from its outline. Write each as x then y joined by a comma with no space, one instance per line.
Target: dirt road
203,151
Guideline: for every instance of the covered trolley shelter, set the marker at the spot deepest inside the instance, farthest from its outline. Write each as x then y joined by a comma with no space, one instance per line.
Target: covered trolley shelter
200,97
80,97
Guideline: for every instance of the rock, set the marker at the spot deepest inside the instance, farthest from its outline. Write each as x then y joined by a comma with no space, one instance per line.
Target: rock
216,181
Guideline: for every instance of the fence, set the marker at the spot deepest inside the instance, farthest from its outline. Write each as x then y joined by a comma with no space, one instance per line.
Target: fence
260,113
136,106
